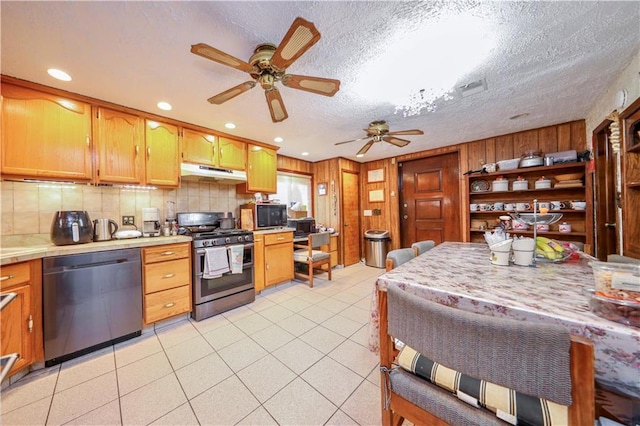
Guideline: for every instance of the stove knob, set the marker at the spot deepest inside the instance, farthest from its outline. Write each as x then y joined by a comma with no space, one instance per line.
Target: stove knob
227,240
206,243
240,238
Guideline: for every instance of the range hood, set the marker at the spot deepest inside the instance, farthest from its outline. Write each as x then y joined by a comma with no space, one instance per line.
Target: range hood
211,174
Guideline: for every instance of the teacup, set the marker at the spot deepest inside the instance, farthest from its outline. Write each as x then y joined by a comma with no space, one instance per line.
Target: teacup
498,206
509,206
485,207
473,207
523,206
578,205
544,205
558,205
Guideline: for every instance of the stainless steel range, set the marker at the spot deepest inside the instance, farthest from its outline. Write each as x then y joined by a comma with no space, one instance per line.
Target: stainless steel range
212,296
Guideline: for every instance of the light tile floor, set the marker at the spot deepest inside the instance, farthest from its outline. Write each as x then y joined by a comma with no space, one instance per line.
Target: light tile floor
295,356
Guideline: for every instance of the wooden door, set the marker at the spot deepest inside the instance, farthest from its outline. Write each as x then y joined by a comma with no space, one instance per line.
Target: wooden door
16,328
232,154
350,209
119,142
605,193
262,170
163,154
45,135
430,200
199,148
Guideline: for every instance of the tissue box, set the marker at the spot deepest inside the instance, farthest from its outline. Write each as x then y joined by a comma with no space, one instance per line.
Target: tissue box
294,214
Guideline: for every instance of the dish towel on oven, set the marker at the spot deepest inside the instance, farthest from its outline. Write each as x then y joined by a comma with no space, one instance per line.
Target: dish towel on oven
216,262
235,258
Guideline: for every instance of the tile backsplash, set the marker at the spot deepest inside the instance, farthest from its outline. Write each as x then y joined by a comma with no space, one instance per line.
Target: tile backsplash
28,207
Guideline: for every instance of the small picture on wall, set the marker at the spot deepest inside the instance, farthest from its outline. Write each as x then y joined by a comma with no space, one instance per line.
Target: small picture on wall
375,175
376,195
322,189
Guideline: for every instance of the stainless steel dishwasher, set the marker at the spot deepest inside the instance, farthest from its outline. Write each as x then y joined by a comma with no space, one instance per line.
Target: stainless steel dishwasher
90,301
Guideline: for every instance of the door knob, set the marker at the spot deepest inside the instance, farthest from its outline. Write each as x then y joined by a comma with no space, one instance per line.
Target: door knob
405,217
610,225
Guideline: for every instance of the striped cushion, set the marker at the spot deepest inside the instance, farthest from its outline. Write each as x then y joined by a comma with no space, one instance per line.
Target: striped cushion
513,407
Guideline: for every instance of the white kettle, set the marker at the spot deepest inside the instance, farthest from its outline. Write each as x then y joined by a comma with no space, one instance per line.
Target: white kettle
104,229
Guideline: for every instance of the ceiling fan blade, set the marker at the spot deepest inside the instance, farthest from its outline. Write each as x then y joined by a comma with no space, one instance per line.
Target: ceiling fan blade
396,141
276,106
300,37
220,57
352,140
318,85
365,148
223,97
407,132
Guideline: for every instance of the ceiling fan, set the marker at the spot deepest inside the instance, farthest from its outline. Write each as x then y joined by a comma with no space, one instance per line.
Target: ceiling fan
268,65
379,131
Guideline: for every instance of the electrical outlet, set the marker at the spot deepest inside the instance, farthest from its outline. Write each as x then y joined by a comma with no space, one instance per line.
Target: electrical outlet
128,220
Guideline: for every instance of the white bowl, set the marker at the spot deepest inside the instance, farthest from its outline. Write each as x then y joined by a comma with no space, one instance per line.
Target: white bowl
508,164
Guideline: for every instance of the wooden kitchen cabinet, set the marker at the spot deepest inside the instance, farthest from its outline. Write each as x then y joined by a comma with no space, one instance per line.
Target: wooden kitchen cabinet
119,145
581,221
333,249
631,180
166,281
273,258
261,169
199,148
232,154
162,153
45,135
21,319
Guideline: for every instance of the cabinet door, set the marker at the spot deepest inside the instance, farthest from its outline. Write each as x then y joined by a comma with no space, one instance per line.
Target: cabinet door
45,135
232,154
162,151
261,173
258,262
16,327
199,148
279,263
119,142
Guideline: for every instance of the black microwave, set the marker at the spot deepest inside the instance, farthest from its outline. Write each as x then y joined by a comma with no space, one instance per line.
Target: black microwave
261,216
303,227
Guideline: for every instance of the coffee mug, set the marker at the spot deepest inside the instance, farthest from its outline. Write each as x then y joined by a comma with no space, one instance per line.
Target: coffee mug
509,206
544,205
485,207
498,206
578,205
557,205
473,207
523,206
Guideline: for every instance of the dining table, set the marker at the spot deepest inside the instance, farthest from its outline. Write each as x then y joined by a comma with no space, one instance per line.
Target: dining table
462,276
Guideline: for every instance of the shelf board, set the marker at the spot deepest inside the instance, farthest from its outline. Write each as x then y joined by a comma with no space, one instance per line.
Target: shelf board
541,233
634,148
524,191
631,185
501,212
548,169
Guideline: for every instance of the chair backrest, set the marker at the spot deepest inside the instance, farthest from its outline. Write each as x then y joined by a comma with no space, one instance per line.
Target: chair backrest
397,257
319,239
423,246
616,258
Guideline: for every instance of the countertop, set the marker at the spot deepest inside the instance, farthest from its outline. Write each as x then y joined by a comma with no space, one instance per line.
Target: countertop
31,248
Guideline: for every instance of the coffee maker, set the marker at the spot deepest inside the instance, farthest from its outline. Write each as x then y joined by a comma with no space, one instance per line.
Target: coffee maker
150,222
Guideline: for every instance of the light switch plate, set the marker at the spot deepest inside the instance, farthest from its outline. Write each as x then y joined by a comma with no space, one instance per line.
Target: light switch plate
368,213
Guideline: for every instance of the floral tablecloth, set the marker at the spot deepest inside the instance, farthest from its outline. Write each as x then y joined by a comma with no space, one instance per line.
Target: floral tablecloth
460,275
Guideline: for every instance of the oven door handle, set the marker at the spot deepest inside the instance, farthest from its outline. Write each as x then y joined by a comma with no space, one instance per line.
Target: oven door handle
203,250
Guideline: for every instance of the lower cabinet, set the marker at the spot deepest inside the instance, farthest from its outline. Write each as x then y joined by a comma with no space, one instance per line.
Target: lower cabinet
166,281
21,318
273,258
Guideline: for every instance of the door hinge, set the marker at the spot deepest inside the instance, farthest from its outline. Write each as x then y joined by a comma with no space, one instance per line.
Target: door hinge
30,323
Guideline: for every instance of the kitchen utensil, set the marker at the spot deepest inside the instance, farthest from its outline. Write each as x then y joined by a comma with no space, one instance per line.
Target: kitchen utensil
548,161
227,223
150,222
564,227
71,227
479,185
500,185
104,229
543,183
531,160
127,233
511,164
520,185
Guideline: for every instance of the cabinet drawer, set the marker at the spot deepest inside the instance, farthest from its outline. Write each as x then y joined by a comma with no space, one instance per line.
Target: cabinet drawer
17,273
168,303
166,252
283,237
166,275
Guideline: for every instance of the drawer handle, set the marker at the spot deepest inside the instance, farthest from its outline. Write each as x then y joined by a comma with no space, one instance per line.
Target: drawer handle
167,253
7,277
280,238
169,305
169,276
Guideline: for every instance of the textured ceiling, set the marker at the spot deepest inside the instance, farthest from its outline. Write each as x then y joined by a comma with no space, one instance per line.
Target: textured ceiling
549,59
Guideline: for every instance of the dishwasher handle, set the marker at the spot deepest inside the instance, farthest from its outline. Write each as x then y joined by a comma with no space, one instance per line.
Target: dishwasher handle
93,265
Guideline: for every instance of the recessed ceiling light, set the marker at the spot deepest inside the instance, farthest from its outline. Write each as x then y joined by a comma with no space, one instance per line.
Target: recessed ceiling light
515,117
165,106
359,155
230,126
278,139
60,75
305,153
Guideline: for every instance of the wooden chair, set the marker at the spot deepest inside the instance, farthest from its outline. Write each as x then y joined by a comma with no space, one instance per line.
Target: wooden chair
397,257
541,360
423,246
314,254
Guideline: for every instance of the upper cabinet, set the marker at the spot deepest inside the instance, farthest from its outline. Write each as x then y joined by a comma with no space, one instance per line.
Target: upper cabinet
262,169
232,154
162,153
45,135
199,148
119,142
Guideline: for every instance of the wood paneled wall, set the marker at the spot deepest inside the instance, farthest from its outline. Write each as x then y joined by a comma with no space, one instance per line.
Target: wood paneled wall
294,165
389,209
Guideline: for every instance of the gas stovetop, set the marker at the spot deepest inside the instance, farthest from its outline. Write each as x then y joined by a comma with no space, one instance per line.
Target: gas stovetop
204,229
